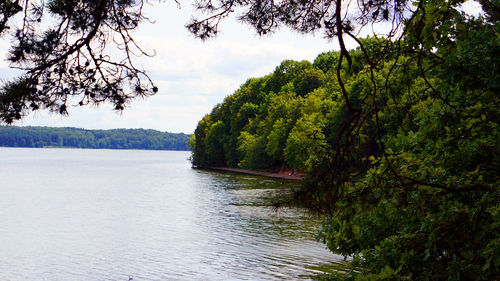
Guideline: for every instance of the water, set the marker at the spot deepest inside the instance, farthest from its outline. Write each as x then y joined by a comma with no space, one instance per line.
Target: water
69,214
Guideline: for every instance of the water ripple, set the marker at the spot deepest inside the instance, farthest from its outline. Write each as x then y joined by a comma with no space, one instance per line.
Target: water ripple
114,215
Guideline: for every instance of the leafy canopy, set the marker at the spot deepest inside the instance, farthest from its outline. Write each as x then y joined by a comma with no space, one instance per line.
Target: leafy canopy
400,145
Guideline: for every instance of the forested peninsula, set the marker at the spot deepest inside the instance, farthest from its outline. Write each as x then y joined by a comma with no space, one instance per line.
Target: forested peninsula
14,136
400,150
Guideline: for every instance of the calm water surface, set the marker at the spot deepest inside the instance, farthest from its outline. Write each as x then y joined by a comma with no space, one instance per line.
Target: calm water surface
69,214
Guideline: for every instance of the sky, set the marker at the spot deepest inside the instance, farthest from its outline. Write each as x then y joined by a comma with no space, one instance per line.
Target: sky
192,76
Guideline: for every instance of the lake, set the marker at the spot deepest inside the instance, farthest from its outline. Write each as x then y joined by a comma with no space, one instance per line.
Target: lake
74,214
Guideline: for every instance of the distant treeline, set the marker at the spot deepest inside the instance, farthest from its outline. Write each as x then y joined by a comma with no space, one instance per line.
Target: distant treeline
13,136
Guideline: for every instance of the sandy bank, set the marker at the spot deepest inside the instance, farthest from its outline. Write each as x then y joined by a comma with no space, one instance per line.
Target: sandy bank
258,173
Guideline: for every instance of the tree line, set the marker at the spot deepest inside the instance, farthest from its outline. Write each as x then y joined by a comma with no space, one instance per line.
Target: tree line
14,136
281,120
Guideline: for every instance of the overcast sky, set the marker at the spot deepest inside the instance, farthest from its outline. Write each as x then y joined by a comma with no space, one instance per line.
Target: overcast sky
192,76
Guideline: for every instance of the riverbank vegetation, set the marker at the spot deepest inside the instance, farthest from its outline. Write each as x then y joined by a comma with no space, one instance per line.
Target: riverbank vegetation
400,145
13,136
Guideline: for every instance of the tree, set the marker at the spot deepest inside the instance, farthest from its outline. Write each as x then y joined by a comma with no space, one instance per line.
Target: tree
305,141
215,143
63,46
253,150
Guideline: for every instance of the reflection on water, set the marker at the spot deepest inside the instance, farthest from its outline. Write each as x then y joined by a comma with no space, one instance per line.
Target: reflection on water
70,214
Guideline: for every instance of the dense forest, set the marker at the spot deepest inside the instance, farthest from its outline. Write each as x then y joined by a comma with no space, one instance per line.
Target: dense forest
14,136
400,145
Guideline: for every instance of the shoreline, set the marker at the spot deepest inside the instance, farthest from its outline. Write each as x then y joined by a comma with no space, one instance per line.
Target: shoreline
256,173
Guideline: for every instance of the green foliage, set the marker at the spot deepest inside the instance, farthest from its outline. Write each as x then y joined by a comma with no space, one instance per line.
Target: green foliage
80,138
215,143
326,61
305,142
426,208
310,80
277,138
253,151
408,177
254,124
